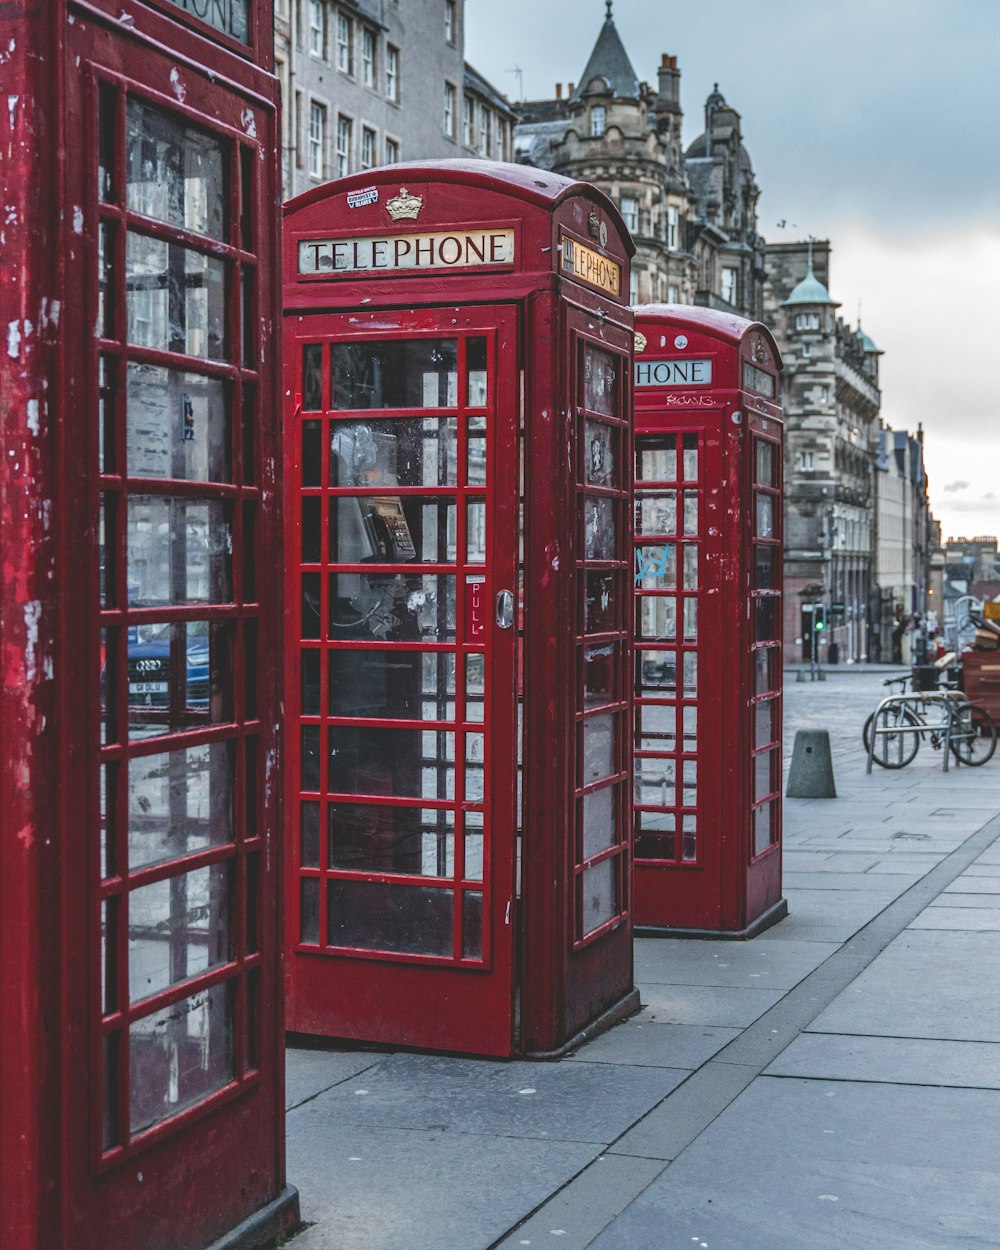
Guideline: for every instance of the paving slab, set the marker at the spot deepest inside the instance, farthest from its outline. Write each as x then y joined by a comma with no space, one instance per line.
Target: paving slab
367,1188
571,1101
891,1060
948,899
708,1004
810,1165
309,1072
849,882
750,965
971,882
945,917
645,1042
924,984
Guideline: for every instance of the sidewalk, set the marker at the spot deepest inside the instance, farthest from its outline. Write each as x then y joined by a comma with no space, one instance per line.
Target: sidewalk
833,1084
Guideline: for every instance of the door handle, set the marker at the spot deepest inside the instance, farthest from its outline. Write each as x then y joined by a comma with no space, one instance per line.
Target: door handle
505,608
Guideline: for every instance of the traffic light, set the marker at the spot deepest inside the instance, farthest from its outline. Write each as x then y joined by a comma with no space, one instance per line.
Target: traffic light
819,617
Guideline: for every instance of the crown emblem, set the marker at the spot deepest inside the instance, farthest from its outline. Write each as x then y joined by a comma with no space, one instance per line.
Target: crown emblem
405,206
759,351
640,341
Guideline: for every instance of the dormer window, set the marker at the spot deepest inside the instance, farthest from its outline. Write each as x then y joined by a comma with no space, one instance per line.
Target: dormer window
597,121
807,321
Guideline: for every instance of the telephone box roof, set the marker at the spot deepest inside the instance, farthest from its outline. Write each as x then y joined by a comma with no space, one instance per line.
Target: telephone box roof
722,324
534,186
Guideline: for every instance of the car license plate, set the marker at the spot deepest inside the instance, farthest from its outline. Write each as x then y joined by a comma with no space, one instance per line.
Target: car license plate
148,687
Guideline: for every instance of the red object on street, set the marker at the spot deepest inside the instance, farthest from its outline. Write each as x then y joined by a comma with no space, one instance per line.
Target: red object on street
708,664
981,680
141,1067
457,443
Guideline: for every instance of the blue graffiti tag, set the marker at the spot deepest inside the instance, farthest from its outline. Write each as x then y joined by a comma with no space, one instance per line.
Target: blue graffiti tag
650,562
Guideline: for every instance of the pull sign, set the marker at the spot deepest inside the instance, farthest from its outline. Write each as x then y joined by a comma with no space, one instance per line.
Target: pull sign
475,607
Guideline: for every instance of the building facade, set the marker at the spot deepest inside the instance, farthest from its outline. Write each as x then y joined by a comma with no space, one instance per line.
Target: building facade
831,399
373,82
692,213
904,538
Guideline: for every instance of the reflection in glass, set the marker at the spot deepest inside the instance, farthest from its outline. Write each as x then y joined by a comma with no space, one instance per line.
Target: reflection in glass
690,619
690,728
762,827
766,562
657,617
178,928
763,782
475,686
690,673
599,886
179,803
392,763
474,845
179,551
392,685
396,373
655,836
656,459
180,676
689,782
177,425
403,919
179,1055
475,531
309,911
656,514
762,664
689,838
655,782
600,684
475,767
392,529
657,727
600,532
309,853
173,172
690,566
389,453
690,512
764,723
656,671
765,618
175,298
472,925
600,381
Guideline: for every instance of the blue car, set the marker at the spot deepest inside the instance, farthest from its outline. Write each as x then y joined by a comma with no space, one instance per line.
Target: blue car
149,649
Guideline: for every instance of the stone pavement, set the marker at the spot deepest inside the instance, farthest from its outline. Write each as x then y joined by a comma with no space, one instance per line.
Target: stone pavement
833,1084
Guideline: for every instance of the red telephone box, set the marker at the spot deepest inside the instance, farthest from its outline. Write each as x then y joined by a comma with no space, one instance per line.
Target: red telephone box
141,1066
458,445
708,667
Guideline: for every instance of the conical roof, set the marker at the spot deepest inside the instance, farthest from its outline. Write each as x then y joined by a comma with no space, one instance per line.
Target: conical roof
866,344
609,61
809,291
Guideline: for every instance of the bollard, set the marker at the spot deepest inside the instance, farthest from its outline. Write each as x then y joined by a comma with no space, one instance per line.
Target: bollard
811,773
800,674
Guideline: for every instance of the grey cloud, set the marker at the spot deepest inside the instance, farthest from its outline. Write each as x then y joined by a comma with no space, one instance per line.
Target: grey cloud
952,486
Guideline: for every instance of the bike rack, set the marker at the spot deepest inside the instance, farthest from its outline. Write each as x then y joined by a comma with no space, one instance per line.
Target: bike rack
917,703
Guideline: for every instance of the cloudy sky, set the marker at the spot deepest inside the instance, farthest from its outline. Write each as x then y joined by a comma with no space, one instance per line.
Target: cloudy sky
874,123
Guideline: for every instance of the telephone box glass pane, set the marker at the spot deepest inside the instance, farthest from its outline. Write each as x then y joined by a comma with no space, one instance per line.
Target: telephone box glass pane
655,835
392,763
600,529
179,1055
392,607
690,566
179,802
397,373
655,782
392,685
174,173
177,425
396,529
600,604
312,451
475,364
762,832
656,459
762,666
178,928
657,671
382,838
690,448
656,567
191,684
600,821
309,841
179,551
393,452
763,780
690,512
657,618
600,667
766,463
656,514
765,619
312,377
175,298
600,894
472,925
657,730
600,454
766,567
403,919
600,381
764,723
765,516
599,742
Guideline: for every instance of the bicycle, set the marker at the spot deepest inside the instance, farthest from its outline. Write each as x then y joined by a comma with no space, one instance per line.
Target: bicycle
901,721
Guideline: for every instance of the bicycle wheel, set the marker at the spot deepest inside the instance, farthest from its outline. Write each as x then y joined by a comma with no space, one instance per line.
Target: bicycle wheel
892,750
974,735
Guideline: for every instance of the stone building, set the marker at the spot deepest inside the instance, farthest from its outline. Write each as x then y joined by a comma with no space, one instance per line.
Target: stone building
903,540
373,82
831,398
693,213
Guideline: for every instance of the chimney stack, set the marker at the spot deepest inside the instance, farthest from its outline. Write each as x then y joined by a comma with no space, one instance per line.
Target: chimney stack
558,90
669,85
569,89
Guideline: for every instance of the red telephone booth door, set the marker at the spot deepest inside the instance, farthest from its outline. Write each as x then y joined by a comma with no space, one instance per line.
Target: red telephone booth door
402,681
